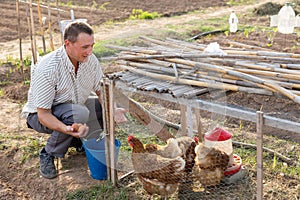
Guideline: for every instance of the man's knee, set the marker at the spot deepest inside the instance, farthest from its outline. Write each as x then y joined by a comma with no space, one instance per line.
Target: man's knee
80,113
70,113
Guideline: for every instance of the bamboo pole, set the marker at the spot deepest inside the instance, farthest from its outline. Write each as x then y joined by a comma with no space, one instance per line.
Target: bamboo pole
246,46
243,76
41,26
136,49
159,42
19,36
277,55
268,73
174,54
259,82
50,27
215,85
253,71
197,76
207,80
290,66
59,23
32,33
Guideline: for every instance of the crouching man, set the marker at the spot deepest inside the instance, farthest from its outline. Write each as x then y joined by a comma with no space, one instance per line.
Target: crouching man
59,99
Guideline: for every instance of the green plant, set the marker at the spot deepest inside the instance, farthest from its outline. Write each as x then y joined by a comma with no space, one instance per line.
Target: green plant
101,51
140,14
239,2
103,6
26,81
32,148
27,61
94,4
226,33
41,52
69,3
271,35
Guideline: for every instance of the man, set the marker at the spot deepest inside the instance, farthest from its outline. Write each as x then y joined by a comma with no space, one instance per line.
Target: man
59,99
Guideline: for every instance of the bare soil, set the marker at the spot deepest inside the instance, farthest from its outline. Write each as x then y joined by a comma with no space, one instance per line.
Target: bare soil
21,180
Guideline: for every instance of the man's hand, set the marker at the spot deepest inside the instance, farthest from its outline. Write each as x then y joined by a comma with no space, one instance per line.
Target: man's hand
78,130
120,115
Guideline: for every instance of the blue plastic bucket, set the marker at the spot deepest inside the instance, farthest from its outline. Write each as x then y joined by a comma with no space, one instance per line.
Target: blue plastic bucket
95,154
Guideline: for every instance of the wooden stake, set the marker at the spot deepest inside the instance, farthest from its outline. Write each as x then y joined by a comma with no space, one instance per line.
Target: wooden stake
183,120
199,124
41,26
108,110
41,5
50,26
259,130
19,35
113,159
32,34
58,19
106,116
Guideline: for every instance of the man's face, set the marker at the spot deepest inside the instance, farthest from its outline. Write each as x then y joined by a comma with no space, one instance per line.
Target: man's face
81,49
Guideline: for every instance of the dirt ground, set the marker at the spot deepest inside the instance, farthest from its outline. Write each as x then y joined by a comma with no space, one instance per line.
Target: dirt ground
20,180
96,12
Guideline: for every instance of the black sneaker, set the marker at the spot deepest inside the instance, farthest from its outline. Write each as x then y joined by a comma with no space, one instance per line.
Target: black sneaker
76,143
47,167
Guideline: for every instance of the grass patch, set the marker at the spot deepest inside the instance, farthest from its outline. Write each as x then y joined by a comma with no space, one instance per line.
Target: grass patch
239,2
31,148
100,49
104,191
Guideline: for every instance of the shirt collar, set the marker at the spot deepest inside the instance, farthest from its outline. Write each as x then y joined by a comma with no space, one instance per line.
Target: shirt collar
66,59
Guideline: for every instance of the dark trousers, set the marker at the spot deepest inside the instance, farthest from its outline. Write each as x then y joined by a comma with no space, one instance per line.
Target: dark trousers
58,143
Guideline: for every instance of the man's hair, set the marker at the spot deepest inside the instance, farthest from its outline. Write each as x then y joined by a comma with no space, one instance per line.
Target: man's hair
75,28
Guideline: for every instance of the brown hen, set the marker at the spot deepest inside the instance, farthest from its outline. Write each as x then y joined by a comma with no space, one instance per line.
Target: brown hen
211,164
158,174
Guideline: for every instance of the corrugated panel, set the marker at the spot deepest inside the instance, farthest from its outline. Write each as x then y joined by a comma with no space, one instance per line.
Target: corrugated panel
149,84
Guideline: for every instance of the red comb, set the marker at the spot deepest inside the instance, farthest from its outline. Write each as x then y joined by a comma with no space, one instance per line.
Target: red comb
130,137
196,139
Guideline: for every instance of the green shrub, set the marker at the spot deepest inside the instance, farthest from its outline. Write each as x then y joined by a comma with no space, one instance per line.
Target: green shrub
140,14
